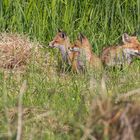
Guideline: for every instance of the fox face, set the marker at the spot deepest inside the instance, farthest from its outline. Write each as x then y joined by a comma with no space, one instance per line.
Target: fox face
79,57
131,45
59,40
131,40
83,53
82,43
62,42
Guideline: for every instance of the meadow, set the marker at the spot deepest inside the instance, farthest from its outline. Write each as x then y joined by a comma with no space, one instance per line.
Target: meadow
58,105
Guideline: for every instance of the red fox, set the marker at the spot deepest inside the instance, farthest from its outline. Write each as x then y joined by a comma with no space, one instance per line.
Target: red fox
122,54
83,55
62,42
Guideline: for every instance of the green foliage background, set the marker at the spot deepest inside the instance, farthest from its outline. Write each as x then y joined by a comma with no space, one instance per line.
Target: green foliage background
66,98
101,20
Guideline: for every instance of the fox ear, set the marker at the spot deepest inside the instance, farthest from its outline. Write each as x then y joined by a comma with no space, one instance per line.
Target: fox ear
63,34
59,30
81,37
126,38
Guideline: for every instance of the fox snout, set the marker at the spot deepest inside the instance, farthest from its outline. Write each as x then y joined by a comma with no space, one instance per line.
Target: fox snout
51,44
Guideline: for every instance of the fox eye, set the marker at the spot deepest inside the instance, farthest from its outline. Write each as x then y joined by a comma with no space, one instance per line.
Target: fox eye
74,45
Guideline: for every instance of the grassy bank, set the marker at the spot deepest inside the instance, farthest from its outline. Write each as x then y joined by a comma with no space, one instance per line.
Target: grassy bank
65,106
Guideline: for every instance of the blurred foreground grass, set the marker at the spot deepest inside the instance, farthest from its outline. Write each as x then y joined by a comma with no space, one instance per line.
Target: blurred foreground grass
70,106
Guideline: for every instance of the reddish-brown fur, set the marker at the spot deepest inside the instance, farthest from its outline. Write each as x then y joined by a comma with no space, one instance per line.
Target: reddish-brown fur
61,41
130,42
91,59
110,54
118,55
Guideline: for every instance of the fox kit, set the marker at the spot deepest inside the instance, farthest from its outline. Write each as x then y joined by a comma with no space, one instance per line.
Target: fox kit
122,54
62,42
83,55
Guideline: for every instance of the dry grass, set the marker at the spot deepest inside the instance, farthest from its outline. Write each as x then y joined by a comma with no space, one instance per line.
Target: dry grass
106,120
15,50
54,102
112,121
38,117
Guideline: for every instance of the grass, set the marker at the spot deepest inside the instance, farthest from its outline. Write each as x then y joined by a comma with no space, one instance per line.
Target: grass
56,105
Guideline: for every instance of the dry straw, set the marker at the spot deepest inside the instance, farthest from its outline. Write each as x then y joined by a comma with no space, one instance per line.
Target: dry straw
15,50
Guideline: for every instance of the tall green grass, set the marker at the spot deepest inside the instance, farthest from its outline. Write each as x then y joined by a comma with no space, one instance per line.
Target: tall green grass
65,98
103,21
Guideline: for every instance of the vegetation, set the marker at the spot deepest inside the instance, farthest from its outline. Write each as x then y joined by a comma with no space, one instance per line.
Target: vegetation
65,105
